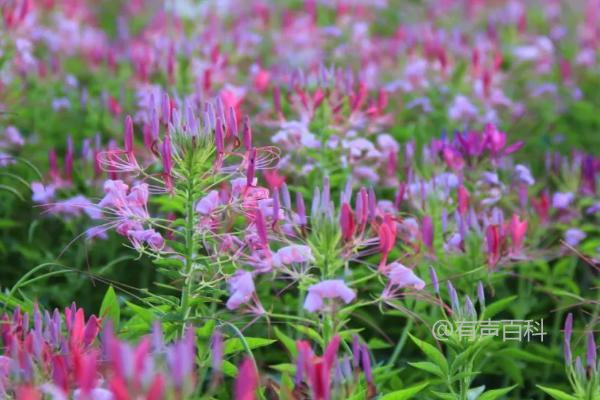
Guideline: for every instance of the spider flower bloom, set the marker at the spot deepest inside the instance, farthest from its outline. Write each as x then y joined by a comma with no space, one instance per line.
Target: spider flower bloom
401,277
574,236
292,254
241,287
246,382
328,289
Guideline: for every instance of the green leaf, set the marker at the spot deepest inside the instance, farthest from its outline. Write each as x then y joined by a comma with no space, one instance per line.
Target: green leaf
145,314
287,341
557,394
494,394
229,369
110,307
236,345
378,344
432,353
405,393
429,367
497,307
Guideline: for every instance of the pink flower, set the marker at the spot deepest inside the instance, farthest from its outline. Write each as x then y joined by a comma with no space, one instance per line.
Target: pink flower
208,203
317,369
42,194
246,382
292,254
517,234
329,289
241,287
402,276
148,236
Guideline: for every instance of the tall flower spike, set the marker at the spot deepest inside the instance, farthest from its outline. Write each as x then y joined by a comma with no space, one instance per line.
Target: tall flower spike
219,139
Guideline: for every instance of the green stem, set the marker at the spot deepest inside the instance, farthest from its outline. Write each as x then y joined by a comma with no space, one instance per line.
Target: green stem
189,245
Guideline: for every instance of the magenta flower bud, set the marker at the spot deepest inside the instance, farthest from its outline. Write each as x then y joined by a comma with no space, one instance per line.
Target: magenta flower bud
277,100
591,351
366,364
128,135
219,139
568,331
427,232
579,367
372,204
347,222
286,199
247,133
246,383
356,353
434,279
362,202
316,201
481,294
217,350
261,228
470,308
250,171
453,297
300,209
68,168
165,106
233,127
275,215
167,159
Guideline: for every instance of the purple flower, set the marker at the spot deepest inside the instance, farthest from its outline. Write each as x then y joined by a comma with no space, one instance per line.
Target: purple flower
402,276
591,351
568,333
574,236
41,194
241,287
208,203
329,289
292,254
562,200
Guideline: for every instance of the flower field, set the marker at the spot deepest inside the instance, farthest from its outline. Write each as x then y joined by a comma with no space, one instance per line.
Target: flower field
299,199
